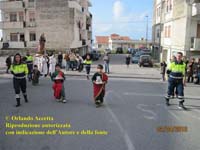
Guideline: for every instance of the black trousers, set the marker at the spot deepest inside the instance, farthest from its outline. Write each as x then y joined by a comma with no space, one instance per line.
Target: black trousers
88,67
101,97
19,84
8,68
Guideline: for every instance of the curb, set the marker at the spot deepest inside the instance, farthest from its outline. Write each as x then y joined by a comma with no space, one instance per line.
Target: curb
119,77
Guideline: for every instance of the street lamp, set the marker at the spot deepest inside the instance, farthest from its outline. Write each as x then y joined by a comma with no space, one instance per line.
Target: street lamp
147,30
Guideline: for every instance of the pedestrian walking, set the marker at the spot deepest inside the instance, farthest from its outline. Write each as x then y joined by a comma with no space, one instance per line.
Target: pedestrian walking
72,57
176,71
67,60
163,70
36,76
197,70
99,80
80,63
44,66
106,60
19,71
88,63
29,62
190,71
52,64
60,59
8,63
58,78
128,60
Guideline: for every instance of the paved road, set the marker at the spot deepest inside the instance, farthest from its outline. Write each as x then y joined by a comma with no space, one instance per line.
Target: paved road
133,111
118,69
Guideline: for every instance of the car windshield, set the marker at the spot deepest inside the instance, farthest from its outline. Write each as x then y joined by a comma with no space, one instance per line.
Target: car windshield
145,57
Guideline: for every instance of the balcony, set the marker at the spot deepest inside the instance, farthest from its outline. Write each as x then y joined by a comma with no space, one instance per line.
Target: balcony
76,5
195,44
11,25
196,9
11,5
31,24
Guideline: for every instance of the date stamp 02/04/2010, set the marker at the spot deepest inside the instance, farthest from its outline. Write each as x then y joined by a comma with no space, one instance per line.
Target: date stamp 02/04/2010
172,129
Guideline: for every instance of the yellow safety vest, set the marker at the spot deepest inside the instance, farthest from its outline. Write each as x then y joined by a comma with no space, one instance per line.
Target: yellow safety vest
88,62
19,70
177,70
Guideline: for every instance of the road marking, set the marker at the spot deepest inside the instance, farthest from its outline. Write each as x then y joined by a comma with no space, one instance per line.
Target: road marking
192,114
171,113
156,95
123,132
152,115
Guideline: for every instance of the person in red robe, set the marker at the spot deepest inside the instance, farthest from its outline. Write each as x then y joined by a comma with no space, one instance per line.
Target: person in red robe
99,80
59,90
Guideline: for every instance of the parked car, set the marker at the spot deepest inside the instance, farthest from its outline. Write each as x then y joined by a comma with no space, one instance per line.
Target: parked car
135,59
99,53
95,55
145,61
119,50
143,53
108,51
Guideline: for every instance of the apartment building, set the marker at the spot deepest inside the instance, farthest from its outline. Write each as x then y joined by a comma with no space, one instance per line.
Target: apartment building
114,41
67,24
176,27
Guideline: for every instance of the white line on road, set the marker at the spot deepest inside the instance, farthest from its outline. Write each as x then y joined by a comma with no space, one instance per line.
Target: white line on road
151,115
123,132
155,95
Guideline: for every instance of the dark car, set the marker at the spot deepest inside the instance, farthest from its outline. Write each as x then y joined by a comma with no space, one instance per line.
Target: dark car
135,59
145,61
119,50
95,55
108,51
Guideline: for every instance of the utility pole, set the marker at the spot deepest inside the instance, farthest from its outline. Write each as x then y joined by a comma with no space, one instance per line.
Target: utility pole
147,30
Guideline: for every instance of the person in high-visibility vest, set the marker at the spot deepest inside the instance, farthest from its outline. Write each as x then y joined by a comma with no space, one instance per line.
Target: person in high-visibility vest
176,72
29,62
19,71
88,63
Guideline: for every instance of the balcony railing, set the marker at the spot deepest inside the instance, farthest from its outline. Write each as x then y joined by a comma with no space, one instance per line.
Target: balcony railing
195,44
196,9
11,5
11,25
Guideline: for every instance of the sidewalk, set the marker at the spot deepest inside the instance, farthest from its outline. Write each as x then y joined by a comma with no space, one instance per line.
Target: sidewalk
121,71
116,71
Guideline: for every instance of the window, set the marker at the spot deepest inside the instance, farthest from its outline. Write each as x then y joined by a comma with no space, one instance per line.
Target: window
168,31
158,11
99,46
32,36
21,16
21,37
32,16
158,33
169,5
13,17
13,37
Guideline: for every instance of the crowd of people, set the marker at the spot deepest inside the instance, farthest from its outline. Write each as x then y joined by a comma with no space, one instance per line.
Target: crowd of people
192,69
44,65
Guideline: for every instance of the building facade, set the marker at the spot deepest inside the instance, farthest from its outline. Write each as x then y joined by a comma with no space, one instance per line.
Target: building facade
115,41
176,28
67,24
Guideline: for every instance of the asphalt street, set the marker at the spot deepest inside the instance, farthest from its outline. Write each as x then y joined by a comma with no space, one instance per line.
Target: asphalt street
132,114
